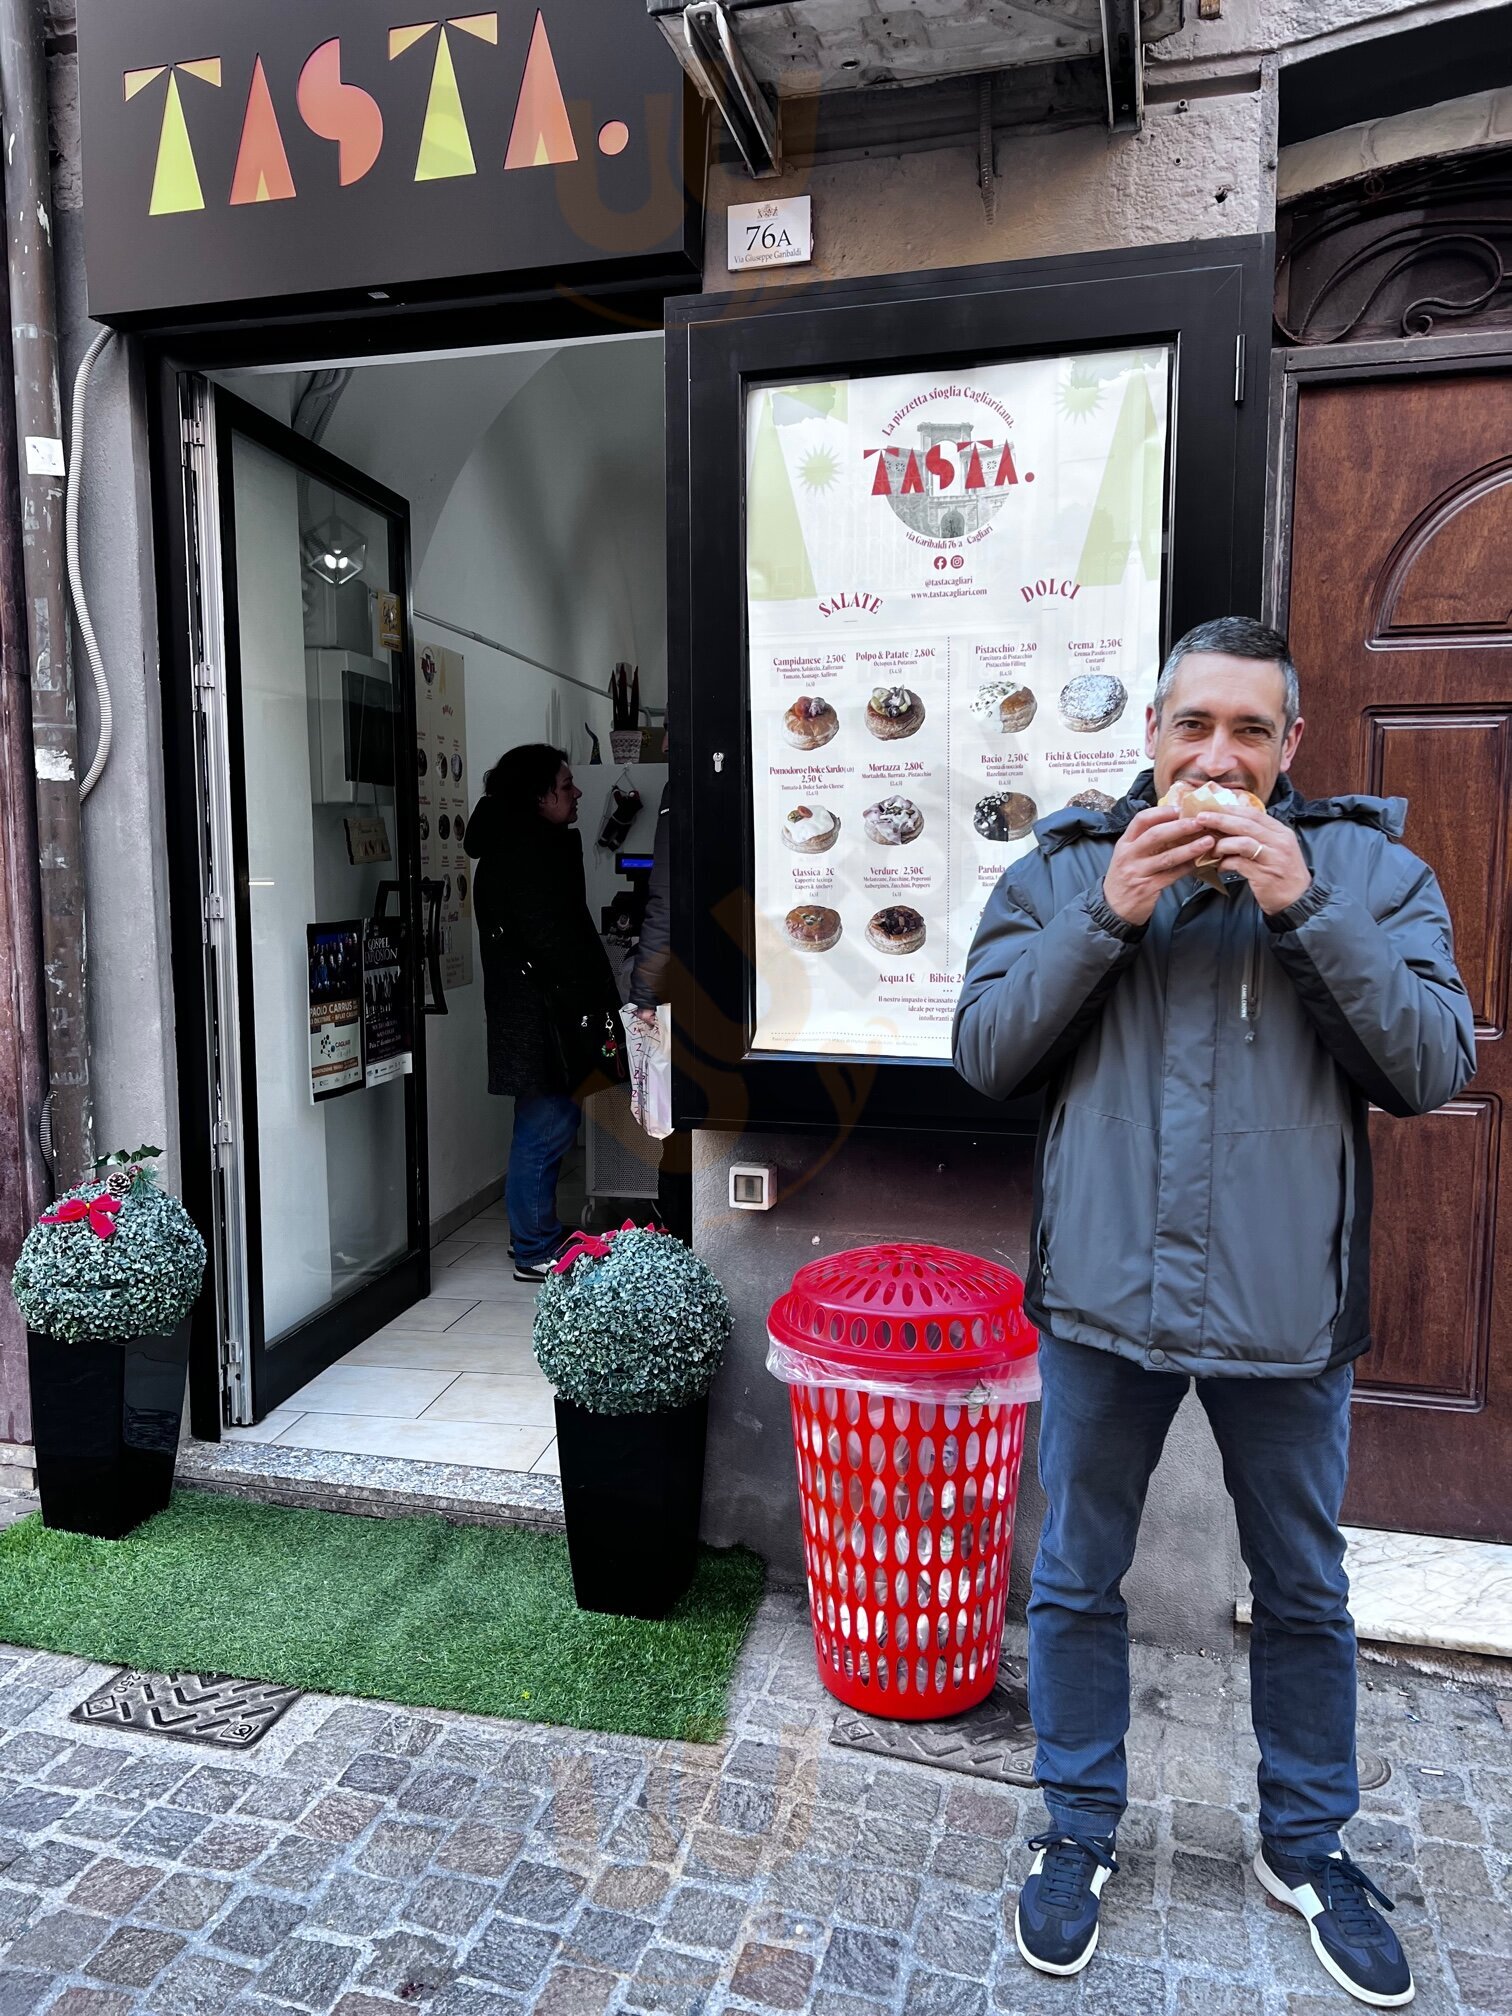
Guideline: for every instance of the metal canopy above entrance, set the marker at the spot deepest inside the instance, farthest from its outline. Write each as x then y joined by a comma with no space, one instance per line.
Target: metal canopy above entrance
797,47
752,58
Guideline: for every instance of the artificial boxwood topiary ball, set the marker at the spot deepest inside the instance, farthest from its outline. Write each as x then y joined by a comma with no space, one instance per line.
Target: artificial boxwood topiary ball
140,1282
637,1330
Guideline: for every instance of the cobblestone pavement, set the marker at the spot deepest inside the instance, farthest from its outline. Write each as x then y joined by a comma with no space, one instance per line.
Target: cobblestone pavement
363,1860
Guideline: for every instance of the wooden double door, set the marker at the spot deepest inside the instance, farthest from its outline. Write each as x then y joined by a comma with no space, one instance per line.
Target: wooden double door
1400,618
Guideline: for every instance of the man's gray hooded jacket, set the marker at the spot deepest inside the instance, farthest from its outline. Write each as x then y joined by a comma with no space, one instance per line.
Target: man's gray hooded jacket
1202,1181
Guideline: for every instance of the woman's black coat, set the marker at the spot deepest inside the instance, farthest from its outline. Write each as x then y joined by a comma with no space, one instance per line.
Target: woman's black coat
531,903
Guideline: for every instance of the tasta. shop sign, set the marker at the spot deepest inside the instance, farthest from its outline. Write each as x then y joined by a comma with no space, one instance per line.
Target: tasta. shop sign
241,152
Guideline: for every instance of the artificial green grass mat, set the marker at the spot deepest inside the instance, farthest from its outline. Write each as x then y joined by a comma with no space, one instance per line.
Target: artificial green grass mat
409,1610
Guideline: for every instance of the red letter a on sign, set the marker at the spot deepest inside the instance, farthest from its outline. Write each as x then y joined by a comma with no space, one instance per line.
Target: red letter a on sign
262,167
542,132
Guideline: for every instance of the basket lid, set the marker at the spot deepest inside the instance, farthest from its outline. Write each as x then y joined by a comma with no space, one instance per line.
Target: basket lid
878,1307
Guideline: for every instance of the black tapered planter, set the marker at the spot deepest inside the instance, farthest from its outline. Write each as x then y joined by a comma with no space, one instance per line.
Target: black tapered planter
105,1426
632,1485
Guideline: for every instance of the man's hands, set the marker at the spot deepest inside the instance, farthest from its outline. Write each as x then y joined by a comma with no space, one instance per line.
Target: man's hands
646,1015
1155,849
1159,846
1264,852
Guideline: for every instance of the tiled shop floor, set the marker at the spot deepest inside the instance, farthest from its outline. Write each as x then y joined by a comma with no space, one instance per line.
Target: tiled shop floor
363,1860
452,1380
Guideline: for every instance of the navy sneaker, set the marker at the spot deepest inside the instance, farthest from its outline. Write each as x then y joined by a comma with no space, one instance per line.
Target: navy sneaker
1055,1925
1349,1935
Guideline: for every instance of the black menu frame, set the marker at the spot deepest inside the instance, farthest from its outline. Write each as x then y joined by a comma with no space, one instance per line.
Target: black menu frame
1211,301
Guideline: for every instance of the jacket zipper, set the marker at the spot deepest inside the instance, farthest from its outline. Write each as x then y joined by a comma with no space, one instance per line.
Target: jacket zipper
1249,987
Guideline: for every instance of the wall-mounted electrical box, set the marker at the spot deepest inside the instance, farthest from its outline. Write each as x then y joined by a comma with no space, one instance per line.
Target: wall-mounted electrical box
753,1186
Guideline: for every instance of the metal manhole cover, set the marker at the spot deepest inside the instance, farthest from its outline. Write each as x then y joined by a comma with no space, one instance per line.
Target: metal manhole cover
209,1708
994,1741
1374,1771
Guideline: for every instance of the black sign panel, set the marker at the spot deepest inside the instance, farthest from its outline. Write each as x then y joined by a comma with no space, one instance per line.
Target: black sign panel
241,152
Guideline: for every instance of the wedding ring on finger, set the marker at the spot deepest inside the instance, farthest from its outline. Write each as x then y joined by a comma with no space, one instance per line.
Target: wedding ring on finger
1259,850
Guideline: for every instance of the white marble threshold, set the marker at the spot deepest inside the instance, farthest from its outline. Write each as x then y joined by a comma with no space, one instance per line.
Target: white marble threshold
1418,1589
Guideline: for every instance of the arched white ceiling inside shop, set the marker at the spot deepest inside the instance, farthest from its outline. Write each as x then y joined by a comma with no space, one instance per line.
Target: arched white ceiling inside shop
415,429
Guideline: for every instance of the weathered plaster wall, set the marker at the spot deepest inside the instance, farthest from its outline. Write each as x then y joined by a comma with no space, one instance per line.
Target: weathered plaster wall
1202,168
131,1016
1290,29
131,1019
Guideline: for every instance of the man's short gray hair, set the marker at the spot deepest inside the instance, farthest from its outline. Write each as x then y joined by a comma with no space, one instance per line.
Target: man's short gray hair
1234,637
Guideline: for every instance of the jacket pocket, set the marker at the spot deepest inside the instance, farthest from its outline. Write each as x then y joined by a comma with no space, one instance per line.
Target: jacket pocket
1282,1198
1097,1231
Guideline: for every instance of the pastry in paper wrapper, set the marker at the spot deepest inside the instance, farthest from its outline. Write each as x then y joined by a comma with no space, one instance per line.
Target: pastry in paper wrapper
1190,799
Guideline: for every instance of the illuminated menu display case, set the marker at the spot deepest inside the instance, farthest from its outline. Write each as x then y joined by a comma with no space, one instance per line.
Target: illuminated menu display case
954,583
939,533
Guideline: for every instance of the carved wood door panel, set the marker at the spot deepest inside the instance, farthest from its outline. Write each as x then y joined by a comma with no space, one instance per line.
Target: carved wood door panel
1401,624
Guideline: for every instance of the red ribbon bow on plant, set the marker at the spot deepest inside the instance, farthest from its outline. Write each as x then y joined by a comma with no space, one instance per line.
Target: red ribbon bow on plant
592,1244
100,1212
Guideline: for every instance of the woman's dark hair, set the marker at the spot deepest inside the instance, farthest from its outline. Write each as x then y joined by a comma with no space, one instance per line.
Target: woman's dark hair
522,777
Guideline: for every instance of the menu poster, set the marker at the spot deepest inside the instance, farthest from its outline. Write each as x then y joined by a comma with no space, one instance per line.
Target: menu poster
335,962
386,1050
954,590
444,788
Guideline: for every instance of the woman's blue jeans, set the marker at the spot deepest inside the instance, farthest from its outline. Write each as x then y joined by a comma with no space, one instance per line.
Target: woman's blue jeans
1285,1450
545,1127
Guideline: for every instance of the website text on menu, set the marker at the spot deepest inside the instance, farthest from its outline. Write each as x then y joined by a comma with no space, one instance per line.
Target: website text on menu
954,588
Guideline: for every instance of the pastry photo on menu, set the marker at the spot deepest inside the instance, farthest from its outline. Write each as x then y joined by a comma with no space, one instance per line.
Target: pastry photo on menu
1091,801
810,829
1005,704
810,722
893,822
1005,816
1092,700
812,928
897,930
893,712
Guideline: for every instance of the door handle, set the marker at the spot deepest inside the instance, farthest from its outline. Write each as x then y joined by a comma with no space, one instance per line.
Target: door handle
431,897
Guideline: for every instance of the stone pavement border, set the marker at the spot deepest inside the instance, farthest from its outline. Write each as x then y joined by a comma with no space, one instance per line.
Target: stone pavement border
364,1860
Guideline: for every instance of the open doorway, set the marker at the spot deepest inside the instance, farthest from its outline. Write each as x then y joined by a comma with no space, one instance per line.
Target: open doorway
534,484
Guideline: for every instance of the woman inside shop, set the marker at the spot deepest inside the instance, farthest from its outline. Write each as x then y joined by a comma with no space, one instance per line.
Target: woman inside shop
548,990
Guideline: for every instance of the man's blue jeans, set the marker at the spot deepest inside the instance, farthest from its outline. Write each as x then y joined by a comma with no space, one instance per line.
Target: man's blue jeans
1285,1449
545,1127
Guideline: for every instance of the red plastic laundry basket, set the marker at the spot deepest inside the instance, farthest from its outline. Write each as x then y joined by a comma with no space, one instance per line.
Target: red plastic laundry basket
910,1368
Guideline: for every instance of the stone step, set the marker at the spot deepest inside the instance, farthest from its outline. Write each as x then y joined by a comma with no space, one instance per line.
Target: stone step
1421,1589
384,1487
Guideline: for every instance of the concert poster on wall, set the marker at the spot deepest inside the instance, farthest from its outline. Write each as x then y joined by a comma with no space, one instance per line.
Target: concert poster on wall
335,966
386,1046
444,792
954,597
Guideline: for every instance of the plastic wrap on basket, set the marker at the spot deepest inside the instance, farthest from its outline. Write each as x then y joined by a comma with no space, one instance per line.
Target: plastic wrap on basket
1016,1383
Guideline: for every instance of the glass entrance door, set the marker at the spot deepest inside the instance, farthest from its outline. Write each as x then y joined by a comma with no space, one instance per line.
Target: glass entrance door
313,912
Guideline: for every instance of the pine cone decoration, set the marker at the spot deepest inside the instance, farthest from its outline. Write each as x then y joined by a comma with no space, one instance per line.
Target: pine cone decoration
118,1183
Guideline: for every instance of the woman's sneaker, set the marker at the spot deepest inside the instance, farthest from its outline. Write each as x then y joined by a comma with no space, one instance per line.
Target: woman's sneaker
1349,1935
537,1271
1055,1925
